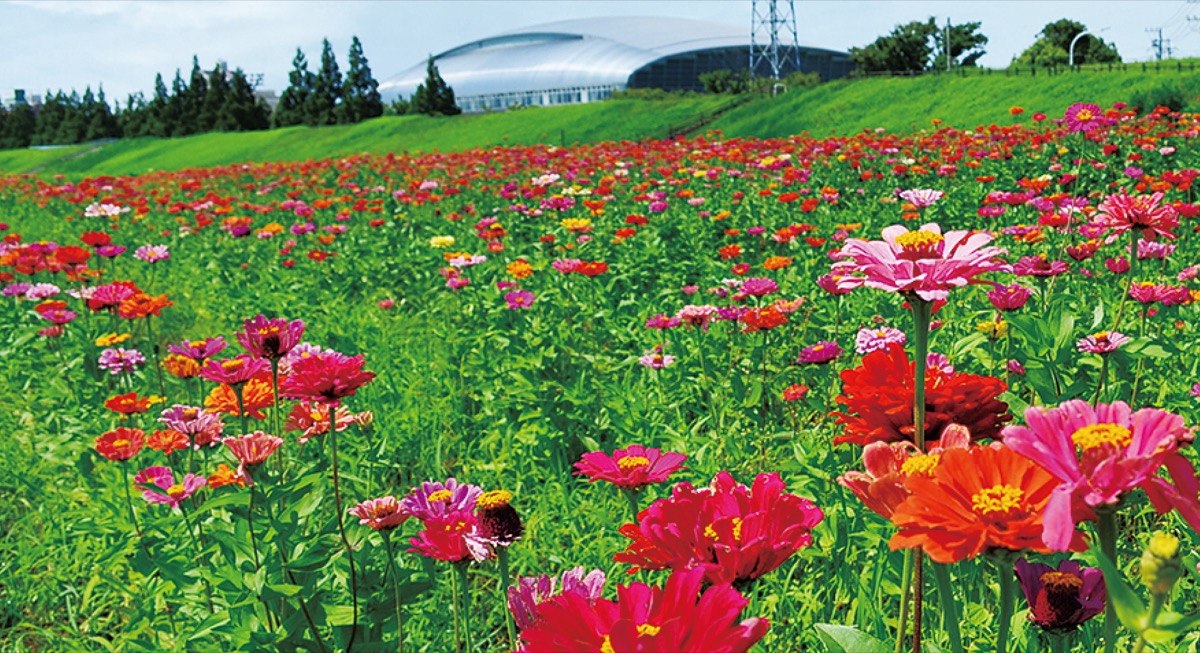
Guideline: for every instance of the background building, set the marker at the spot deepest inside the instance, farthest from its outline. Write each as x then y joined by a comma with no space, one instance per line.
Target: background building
585,60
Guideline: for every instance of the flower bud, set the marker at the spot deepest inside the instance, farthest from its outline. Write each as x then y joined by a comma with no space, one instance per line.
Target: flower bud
1161,564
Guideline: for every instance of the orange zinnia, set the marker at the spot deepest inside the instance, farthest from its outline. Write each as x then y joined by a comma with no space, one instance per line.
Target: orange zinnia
976,499
128,404
143,305
256,395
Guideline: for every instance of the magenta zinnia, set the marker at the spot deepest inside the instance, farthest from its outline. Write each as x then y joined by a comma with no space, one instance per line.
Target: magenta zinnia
326,377
1100,454
270,338
158,485
633,468
734,533
1145,213
923,262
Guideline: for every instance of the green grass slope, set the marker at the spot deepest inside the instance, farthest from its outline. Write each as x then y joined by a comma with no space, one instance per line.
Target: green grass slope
839,107
850,106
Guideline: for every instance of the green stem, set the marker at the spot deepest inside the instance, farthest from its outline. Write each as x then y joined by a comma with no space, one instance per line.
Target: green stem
1156,605
1007,594
458,642
918,599
465,590
337,497
199,555
905,588
387,541
631,498
129,499
1106,528
950,623
1058,642
502,558
1103,378
922,313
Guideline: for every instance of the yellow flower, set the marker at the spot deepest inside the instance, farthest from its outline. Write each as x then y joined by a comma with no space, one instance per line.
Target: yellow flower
112,339
576,224
993,330
520,268
441,242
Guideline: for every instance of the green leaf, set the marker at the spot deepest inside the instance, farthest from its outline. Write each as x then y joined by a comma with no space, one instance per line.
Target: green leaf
213,622
848,639
1130,609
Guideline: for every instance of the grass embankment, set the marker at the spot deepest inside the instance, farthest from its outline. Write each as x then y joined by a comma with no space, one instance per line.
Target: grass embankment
839,107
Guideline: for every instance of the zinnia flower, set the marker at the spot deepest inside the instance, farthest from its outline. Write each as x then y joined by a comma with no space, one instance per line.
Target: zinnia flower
450,538
679,617
313,419
120,444
1084,117
199,350
252,450
499,524
976,499
634,467
158,485
1062,599
697,316
120,360
1102,342
433,499
881,486
236,370
656,359
923,262
382,514
1010,297
270,338
152,253
869,340
168,441
529,592
734,533
203,426
820,353
1100,454
1120,213
878,396
327,377
256,394
519,299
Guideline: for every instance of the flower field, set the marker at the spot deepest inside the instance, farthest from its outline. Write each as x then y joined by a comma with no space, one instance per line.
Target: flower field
889,391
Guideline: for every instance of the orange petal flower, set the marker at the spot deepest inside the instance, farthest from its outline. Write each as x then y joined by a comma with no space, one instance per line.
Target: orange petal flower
256,395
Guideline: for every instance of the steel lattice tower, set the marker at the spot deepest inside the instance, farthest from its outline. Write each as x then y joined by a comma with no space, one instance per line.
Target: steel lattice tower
773,17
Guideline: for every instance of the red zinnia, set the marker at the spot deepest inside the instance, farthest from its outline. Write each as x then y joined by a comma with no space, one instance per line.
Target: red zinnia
878,396
735,533
120,444
128,404
677,617
592,269
326,377
762,319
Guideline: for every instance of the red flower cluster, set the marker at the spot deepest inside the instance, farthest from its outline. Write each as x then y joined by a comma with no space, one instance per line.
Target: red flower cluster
878,396
735,533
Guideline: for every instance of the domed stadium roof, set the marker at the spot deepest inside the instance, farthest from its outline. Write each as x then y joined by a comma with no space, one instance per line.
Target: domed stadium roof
535,65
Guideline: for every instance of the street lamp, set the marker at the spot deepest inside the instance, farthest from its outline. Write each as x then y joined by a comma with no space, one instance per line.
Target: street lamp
1071,55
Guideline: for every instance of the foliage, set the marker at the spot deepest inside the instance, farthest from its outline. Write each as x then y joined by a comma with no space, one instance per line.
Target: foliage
726,81
921,45
321,105
360,91
294,101
434,97
1052,47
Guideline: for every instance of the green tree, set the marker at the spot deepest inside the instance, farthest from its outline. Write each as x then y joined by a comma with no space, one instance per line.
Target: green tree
134,119
214,99
290,110
360,92
726,81
906,49
101,121
434,97
192,103
74,123
321,108
18,127
966,46
176,113
1053,45
243,110
49,117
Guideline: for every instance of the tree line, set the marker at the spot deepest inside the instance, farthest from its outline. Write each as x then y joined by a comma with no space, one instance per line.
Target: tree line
921,46
219,99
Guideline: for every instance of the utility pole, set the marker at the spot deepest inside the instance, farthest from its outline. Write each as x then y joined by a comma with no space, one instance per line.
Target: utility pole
1159,44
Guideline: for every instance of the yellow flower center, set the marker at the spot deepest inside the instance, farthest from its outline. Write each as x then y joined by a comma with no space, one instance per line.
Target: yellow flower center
997,499
232,363
1084,115
1100,335
632,462
711,533
269,331
175,491
919,240
1058,581
440,495
117,444
647,629
1096,435
922,465
494,499
606,646
817,348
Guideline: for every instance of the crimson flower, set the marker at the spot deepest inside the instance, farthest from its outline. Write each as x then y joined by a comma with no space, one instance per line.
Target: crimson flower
633,468
1061,599
676,617
878,396
326,376
733,532
120,443
452,538
1147,213
270,338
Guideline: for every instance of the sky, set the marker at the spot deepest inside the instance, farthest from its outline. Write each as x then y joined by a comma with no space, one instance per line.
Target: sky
53,44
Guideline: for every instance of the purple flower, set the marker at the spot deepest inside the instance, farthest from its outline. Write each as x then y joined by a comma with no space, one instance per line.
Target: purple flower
118,360
59,316
198,350
656,359
759,286
938,361
1015,367
152,253
1102,342
158,485
1061,599
433,499
921,197
16,289
519,299
110,251
202,426
270,338
820,353
663,322
869,340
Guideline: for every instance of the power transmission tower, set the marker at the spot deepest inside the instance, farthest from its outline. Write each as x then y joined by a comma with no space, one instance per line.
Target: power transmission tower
1159,44
772,17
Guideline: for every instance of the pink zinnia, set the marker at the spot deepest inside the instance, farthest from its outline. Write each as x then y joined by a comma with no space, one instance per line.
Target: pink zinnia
759,286
869,340
434,500
820,353
634,468
1039,266
239,369
158,485
1084,117
1102,453
1009,298
270,338
327,377
451,538
519,299
1102,342
697,316
1117,265
198,350
663,322
529,592
921,197
252,450
203,426
382,514
1147,213
829,283
923,262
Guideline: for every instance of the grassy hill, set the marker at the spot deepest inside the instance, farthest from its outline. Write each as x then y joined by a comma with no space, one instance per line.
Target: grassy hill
839,107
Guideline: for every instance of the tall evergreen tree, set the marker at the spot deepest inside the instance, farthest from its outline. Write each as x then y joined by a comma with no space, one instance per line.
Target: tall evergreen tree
134,120
215,98
18,127
73,127
327,90
3,123
48,119
176,112
102,123
192,102
157,110
360,92
242,109
290,110
434,97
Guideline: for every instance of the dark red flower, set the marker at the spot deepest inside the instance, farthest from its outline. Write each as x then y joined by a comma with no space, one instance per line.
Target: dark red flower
878,396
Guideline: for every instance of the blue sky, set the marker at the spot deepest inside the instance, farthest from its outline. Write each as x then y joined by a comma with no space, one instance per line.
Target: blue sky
71,44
